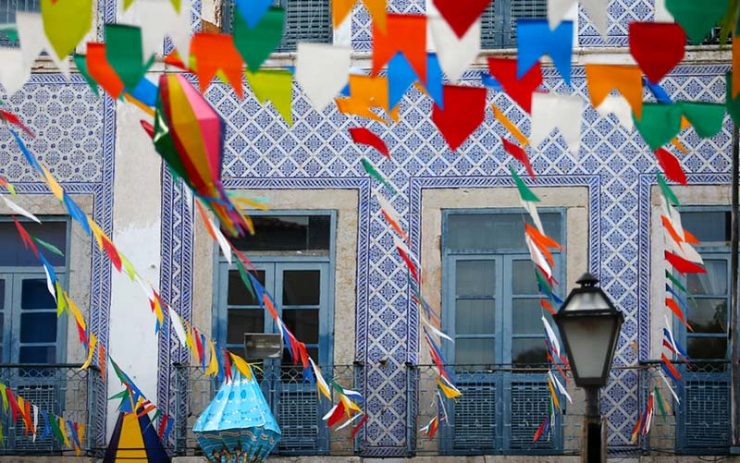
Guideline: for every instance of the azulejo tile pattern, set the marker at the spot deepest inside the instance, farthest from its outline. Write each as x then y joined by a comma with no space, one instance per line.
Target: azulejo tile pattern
75,139
317,151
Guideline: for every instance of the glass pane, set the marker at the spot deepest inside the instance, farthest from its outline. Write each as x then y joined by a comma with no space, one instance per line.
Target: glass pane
301,287
475,351
287,233
14,254
35,295
2,294
527,317
239,293
475,278
38,327
244,321
713,283
303,323
495,231
524,280
38,354
528,351
475,316
707,226
707,348
708,315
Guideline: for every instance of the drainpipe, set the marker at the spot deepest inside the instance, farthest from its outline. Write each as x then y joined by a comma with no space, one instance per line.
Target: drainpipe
734,327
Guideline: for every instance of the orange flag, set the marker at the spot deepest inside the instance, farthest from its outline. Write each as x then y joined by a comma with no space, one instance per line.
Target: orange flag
366,92
603,78
213,53
377,9
100,70
407,34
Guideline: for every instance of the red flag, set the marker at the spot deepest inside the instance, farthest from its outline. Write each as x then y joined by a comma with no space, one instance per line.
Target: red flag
657,47
366,137
669,228
461,16
100,69
670,366
682,265
227,365
112,252
518,153
163,425
214,52
463,112
547,306
670,166
539,431
671,304
337,414
26,238
357,427
13,119
409,263
504,70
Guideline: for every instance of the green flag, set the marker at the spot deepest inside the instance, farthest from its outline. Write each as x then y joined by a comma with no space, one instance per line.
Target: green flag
706,118
49,247
659,399
733,104
524,191
81,63
668,193
370,169
124,52
697,18
256,44
659,123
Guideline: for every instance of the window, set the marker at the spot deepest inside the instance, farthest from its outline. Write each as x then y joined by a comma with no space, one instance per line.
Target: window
491,308
7,17
305,21
498,22
30,329
293,255
704,424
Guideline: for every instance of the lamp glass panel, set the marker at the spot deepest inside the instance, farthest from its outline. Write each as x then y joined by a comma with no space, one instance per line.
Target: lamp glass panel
589,343
590,300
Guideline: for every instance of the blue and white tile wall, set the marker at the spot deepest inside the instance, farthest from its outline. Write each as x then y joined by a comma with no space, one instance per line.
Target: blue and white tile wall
317,152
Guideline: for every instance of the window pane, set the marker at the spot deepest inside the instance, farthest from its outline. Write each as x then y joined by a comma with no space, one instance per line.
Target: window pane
474,351
527,317
2,294
244,321
287,233
707,348
528,351
301,287
495,231
303,323
39,327
38,354
524,280
707,226
475,278
14,254
239,293
35,295
474,317
714,282
708,315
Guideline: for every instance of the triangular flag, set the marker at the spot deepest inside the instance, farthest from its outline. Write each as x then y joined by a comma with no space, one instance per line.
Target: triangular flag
557,10
405,33
620,108
657,47
697,18
214,53
659,123
321,70
66,23
255,44
377,9
535,39
455,53
603,78
461,17
598,13
158,19
275,86
552,110
519,89
463,112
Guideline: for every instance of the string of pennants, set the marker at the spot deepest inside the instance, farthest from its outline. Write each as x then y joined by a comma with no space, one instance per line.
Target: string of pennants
218,363
119,65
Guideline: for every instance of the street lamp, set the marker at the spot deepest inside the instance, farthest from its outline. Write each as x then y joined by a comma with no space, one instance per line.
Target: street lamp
589,326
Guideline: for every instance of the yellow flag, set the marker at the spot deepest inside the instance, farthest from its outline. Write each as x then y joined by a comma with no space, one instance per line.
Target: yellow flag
241,365
90,351
213,365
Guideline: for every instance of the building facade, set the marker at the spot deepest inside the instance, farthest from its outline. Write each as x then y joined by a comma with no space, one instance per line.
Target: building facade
328,256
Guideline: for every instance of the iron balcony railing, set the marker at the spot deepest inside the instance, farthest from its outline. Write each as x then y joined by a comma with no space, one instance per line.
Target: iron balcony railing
294,401
58,389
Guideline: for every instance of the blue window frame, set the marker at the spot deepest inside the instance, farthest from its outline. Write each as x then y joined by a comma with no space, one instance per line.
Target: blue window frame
30,331
498,22
703,417
293,253
305,21
491,308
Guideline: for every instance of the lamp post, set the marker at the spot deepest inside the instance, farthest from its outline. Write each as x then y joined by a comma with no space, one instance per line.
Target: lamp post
589,326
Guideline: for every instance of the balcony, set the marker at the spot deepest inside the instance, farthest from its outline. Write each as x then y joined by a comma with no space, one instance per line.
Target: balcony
59,389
